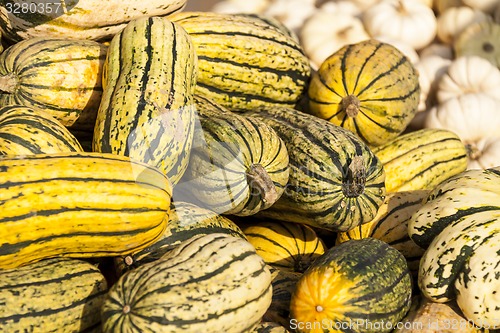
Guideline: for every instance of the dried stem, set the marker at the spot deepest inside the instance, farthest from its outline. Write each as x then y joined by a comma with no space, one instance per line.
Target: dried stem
351,104
354,184
260,182
8,83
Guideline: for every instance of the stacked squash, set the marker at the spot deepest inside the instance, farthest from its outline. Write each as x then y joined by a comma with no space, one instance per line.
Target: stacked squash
167,170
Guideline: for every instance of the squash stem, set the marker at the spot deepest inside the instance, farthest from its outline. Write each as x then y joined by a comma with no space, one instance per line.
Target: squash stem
259,181
473,153
354,184
8,83
350,104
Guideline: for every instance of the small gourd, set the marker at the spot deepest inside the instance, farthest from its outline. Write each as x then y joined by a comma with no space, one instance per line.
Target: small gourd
292,13
430,69
481,39
455,19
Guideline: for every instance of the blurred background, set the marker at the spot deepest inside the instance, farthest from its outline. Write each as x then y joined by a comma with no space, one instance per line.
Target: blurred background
204,5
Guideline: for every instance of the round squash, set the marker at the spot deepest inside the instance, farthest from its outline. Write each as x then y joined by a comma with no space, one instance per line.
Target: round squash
370,88
481,39
365,283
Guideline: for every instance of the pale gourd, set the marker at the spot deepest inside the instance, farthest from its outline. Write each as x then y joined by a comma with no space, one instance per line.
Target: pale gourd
474,117
454,20
291,13
430,70
441,5
326,32
437,49
405,20
486,6
344,6
471,74
481,39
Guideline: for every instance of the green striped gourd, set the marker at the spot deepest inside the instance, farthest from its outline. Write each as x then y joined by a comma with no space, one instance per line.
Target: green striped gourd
458,225
238,165
60,76
146,111
391,225
284,245
209,283
245,61
52,295
370,88
25,131
335,182
365,283
184,221
422,159
78,205
83,19
283,283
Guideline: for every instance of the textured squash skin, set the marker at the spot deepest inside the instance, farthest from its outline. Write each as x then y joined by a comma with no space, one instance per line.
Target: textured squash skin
458,226
363,282
238,165
52,295
369,88
83,19
245,61
146,111
60,76
25,131
209,283
335,181
78,205
422,159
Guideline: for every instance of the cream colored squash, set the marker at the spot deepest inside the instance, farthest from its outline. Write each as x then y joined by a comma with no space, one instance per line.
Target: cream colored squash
410,21
471,74
475,118
326,32
240,6
441,5
365,4
484,154
430,70
437,49
481,39
454,20
486,6
291,13
343,6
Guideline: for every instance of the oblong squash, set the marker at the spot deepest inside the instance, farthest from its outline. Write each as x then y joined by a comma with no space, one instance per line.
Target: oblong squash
52,295
24,131
335,181
78,205
146,111
209,283
369,88
60,76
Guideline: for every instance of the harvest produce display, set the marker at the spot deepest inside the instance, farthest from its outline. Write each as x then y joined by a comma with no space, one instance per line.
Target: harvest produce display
286,166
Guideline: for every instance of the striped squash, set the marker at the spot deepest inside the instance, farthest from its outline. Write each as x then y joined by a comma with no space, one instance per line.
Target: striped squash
237,166
78,205
284,245
391,225
25,131
458,225
184,221
365,283
61,76
335,182
209,283
370,88
146,111
422,159
52,295
83,19
245,61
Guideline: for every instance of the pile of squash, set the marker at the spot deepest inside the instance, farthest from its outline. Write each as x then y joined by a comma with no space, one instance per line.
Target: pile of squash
164,170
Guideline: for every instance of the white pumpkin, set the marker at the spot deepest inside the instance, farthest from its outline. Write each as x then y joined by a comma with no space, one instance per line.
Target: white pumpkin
471,74
474,117
441,5
291,13
437,49
454,20
430,70
364,4
324,32
240,6
481,39
486,6
343,6
484,154
410,21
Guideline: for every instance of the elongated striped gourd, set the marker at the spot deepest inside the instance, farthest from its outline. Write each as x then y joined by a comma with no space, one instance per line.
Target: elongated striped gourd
422,159
284,245
364,282
84,19
245,61
209,283
184,221
458,225
24,131
238,165
370,88
60,76
335,181
391,225
52,295
146,111
78,205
